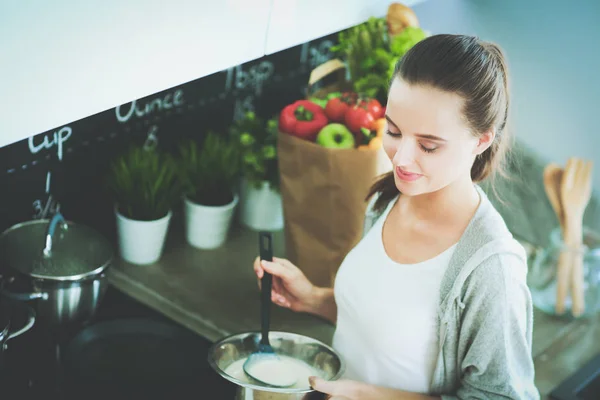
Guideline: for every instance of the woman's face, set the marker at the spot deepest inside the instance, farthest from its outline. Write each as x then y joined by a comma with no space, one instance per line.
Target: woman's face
427,138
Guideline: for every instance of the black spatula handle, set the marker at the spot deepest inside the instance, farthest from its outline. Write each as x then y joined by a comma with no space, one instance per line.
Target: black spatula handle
266,253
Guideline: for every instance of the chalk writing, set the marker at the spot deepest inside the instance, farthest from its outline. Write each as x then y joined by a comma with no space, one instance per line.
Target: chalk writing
38,209
48,175
242,106
151,140
127,111
315,55
41,209
254,78
56,139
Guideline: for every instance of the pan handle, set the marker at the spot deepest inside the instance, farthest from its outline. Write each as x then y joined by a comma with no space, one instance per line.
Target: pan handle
28,325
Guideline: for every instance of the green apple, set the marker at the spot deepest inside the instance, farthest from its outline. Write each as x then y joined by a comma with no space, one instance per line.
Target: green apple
336,136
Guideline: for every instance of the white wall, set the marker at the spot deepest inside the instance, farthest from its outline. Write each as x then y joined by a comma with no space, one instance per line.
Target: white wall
63,60
553,49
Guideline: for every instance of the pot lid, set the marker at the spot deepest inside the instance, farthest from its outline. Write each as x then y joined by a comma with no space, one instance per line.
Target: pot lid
56,249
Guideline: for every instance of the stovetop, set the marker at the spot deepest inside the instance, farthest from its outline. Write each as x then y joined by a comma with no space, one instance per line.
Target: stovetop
32,371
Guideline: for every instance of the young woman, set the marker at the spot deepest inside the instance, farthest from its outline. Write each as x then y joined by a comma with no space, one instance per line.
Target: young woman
432,302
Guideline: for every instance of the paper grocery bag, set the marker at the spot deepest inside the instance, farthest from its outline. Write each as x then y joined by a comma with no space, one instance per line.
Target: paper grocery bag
323,192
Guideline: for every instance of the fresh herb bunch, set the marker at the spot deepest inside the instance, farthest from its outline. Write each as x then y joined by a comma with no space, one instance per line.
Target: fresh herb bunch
144,183
209,170
257,140
371,54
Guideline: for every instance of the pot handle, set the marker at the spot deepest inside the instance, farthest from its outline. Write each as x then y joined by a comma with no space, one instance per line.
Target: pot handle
20,296
28,325
24,296
56,219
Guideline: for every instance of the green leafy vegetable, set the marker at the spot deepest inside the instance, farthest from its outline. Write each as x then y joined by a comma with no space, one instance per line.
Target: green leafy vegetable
370,54
405,40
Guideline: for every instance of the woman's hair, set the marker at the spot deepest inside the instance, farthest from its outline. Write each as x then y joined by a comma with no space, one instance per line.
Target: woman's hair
474,69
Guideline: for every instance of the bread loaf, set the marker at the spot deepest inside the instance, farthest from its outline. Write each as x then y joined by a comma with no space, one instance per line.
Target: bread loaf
399,17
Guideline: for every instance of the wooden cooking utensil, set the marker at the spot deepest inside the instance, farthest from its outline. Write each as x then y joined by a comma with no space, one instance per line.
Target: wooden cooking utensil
575,194
584,189
553,174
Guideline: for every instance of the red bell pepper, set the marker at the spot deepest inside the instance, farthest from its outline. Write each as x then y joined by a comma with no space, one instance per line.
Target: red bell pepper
303,119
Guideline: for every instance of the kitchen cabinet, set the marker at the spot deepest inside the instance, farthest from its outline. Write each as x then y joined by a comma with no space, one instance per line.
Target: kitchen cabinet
293,22
64,60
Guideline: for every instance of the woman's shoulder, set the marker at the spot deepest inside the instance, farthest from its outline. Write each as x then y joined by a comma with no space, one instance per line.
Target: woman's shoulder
496,269
487,224
492,250
486,250
489,231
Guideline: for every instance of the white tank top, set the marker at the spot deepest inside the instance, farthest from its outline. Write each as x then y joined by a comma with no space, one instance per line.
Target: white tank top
386,324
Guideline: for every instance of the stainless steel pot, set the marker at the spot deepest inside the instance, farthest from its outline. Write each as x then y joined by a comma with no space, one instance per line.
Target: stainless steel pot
59,264
315,353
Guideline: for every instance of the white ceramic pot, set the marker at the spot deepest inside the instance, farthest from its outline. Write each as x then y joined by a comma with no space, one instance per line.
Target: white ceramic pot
141,242
260,208
206,227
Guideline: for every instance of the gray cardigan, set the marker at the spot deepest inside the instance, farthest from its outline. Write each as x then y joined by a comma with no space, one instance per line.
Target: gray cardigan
485,314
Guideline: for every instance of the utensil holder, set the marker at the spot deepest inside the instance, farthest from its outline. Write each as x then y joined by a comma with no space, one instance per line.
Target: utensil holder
542,276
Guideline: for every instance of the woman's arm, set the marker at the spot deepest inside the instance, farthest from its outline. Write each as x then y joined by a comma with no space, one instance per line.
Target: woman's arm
322,304
381,393
495,334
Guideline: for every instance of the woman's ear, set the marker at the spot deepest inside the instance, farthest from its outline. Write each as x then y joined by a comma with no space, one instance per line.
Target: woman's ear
484,142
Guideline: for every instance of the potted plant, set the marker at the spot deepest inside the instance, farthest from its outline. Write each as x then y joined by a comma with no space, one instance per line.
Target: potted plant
209,171
144,185
260,199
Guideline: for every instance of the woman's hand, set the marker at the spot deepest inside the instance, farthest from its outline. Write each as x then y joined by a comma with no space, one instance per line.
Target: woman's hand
291,288
342,389
345,389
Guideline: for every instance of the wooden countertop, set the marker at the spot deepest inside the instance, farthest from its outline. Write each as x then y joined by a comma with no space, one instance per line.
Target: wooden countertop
214,293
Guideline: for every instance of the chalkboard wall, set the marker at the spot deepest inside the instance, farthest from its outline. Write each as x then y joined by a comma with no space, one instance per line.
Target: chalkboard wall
77,154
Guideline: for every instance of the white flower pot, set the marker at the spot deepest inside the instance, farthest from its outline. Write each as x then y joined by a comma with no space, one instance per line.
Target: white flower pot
260,208
141,242
206,227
